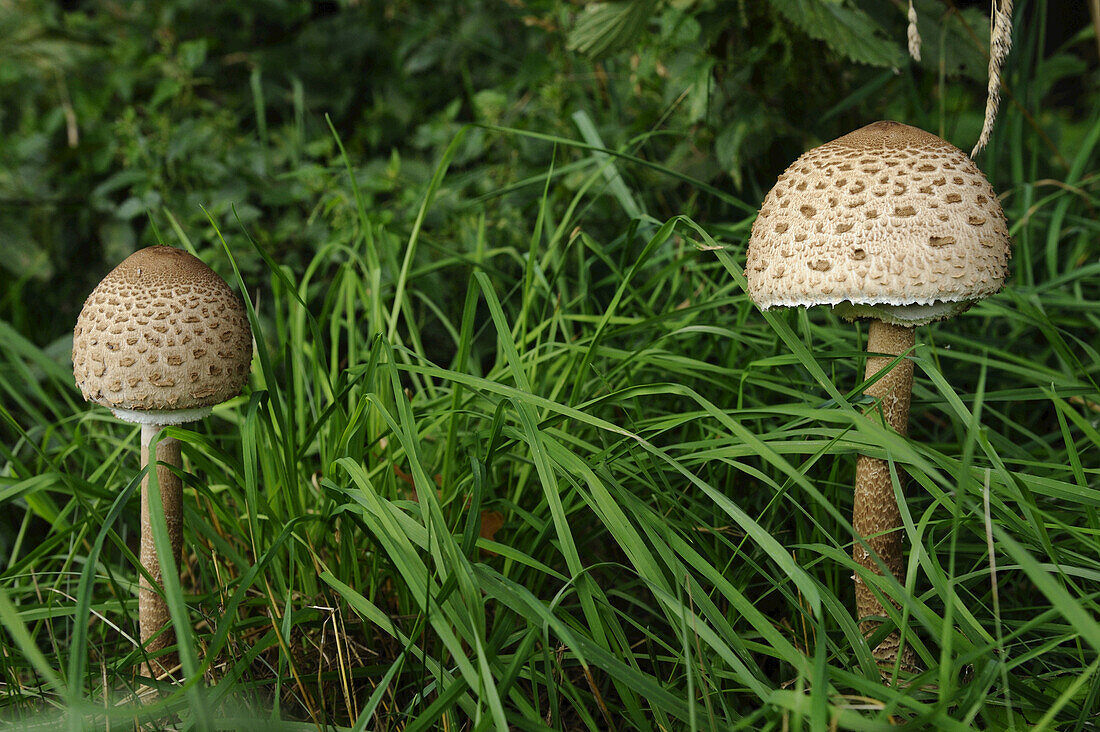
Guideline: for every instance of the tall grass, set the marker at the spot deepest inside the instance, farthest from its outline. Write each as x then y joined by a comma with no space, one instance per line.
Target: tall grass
581,485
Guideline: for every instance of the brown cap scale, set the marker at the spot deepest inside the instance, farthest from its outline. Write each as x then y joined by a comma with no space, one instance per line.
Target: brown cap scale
891,223
888,221
161,339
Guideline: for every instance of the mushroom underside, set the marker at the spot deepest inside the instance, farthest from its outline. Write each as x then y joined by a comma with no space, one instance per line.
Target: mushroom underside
912,314
893,311
161,417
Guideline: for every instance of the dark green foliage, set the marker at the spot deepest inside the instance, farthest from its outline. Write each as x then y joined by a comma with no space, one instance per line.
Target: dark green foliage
604,28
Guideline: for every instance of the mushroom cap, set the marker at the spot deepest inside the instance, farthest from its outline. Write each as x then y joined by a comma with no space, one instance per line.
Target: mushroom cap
162,334
888,221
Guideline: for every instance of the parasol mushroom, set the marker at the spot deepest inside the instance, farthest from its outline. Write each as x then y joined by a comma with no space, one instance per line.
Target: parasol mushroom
893,224
161,340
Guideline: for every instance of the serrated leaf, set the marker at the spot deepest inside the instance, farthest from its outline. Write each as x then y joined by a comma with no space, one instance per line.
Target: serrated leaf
603,28
847,30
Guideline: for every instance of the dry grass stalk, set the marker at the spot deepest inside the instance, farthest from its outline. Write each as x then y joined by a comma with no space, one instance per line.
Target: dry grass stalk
913,33
1000,43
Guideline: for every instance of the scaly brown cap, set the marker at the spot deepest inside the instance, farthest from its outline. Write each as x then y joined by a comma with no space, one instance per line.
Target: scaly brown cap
888,221
161,333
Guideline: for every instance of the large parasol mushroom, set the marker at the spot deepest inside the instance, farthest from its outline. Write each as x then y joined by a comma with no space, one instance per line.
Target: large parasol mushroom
893,224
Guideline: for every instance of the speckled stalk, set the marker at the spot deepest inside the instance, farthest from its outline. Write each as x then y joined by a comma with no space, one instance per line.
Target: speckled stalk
152,609
875,515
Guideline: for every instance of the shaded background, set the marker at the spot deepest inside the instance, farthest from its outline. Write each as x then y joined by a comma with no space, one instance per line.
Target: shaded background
119,120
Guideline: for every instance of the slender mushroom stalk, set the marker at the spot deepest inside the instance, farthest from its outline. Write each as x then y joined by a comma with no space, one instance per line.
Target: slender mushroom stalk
875,514
153,616
160,341
891,223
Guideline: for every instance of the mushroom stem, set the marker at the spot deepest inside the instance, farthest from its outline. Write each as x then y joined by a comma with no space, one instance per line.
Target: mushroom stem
875,515
153,613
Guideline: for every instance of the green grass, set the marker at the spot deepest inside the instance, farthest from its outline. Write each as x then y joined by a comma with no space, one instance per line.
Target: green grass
673,469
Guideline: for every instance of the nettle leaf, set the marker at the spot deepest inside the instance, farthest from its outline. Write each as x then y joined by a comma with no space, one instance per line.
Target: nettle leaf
603,28
845,29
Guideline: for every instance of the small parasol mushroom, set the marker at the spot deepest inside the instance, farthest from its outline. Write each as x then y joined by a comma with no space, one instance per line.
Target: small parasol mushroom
161,340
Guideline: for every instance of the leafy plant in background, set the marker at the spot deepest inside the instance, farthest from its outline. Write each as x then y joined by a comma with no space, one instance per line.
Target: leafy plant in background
137,116
733,63
118,118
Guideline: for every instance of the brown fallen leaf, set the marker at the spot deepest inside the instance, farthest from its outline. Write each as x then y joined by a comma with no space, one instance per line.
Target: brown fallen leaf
490,521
